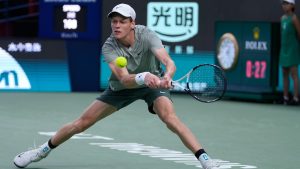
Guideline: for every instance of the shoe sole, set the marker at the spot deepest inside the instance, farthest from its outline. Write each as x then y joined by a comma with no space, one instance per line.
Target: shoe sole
18,165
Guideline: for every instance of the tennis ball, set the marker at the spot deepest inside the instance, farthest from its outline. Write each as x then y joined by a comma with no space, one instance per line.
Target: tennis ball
121,61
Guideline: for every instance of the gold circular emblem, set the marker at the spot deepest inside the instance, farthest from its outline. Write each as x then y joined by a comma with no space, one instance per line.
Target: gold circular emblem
227,51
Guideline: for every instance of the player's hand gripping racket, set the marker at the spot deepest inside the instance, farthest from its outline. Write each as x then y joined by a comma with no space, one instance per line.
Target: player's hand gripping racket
205,82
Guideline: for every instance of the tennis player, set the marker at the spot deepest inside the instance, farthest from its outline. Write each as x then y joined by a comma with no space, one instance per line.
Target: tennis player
143,78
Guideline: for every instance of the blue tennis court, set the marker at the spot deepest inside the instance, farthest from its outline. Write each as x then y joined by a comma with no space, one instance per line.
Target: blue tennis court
238,134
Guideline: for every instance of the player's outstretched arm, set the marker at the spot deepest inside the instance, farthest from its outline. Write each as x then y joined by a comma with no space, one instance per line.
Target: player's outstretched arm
134,80
166,60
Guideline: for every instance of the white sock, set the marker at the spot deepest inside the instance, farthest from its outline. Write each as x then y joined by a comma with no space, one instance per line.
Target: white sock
45,148
203,158
207,162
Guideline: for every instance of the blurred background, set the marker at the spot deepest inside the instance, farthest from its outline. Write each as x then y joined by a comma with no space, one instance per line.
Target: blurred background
55,45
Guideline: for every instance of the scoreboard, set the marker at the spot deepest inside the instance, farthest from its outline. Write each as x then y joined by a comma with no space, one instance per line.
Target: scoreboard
248,51
70,19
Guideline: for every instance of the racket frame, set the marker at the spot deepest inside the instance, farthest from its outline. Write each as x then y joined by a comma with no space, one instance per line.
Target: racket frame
187,88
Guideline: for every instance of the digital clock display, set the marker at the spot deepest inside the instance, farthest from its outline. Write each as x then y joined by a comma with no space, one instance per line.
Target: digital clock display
256,69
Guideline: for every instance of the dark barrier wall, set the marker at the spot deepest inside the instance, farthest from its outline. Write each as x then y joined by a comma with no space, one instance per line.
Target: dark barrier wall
84,64
210,11
196,17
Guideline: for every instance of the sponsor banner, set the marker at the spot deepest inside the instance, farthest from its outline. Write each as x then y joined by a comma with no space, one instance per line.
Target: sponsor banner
33,65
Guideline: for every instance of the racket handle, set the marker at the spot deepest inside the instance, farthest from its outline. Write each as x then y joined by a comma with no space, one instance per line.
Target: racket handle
176,84
172,83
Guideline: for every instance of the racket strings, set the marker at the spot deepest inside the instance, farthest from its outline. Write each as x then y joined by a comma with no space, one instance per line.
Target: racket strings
207,83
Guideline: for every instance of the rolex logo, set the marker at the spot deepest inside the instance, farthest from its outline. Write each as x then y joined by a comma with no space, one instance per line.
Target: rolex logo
256,32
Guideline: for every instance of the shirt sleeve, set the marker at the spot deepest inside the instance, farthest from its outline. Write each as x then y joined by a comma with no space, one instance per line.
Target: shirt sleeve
109,53
154,41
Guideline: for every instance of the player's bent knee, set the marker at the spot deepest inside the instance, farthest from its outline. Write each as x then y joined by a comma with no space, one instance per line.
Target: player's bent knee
79,128
170,121
81,125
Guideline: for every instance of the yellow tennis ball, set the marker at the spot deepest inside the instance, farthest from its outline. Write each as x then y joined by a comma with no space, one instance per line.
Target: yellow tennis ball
121,61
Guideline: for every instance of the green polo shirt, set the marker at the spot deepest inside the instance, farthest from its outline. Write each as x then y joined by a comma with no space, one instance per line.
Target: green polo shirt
140,57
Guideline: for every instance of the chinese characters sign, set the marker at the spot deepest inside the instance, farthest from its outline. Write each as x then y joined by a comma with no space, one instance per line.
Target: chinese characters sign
173,21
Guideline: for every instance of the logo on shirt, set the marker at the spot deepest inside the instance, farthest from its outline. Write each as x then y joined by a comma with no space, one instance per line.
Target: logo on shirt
173,21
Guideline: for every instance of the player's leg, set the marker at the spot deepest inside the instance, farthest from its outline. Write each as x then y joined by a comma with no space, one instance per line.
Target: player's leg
165,110
295,77
163,107
96,111
286,84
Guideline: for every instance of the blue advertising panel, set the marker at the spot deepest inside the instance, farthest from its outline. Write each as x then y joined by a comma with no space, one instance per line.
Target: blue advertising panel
70,19
33,65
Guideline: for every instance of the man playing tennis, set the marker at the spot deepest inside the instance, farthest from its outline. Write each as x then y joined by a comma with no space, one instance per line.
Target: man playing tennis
143,78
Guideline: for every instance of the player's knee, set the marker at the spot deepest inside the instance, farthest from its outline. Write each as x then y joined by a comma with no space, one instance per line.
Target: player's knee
76,128
81,125
170,120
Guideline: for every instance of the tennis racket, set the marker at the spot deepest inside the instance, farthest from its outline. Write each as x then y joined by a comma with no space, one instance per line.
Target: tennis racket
205,82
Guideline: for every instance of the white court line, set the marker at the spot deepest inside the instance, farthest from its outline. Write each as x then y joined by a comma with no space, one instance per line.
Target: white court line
151,151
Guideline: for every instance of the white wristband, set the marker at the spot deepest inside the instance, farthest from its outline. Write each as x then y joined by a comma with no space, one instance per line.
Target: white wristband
140,78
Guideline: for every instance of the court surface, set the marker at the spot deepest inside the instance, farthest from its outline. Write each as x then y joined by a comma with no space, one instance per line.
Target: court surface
239,134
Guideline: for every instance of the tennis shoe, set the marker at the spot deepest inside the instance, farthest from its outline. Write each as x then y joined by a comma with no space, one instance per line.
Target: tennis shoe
207,162
294,102
23,159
